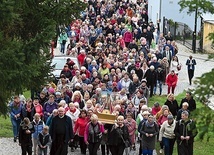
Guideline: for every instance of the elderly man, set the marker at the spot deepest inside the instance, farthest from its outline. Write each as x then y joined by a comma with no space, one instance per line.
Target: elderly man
185,131
190,100
151,77
61,132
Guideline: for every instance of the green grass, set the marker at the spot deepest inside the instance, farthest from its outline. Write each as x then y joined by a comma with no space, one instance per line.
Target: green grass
5,127
162,99
200,147
27,94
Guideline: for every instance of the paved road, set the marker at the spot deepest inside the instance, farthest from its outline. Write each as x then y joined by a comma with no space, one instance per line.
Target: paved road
8,147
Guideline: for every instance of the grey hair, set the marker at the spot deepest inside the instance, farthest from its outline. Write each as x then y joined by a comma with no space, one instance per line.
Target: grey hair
185,113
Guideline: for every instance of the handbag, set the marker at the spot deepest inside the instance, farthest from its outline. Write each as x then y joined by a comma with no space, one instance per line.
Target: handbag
126,142
179,67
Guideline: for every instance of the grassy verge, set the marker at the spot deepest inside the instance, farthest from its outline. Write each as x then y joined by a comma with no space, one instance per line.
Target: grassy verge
5,127
200,147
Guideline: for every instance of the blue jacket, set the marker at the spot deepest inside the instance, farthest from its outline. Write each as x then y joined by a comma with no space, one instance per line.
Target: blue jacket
14,110
38,127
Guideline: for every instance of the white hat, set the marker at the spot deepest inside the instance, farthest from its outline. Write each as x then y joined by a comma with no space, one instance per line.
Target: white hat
83,68
62,101
145,113
77,85
57,93
144,107
152,67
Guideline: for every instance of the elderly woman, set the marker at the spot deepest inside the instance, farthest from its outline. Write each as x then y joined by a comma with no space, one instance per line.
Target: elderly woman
73,112
167,136
93,134
132,127
118,136
145,115
49,106
149,130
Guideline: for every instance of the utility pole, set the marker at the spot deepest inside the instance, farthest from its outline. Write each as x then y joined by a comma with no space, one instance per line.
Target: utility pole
195,30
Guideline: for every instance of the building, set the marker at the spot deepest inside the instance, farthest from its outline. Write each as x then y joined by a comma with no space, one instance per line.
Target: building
208,27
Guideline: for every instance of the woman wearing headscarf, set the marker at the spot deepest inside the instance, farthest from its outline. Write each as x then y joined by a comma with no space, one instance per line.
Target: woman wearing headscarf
149,130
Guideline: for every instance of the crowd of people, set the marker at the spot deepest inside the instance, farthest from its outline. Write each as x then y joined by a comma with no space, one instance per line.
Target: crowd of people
120,69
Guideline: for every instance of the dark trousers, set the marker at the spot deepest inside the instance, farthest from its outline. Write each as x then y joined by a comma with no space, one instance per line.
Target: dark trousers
104,148
59,147
83,146
190,75
151,90
184,148
147,152
93,147
117,149
26,150
168,145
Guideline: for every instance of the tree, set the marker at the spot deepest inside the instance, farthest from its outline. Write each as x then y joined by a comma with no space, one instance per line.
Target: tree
26,28
202,6
204,84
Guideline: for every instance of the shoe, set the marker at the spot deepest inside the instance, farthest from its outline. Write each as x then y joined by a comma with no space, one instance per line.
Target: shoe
161,151
134,148
72,149
15,139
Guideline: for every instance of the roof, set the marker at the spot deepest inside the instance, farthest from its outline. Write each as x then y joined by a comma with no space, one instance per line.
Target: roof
209,21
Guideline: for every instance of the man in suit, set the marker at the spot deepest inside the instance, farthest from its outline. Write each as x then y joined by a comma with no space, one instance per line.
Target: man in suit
168,54
190,67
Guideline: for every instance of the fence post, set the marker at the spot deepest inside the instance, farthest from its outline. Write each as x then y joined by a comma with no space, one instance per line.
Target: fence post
202,34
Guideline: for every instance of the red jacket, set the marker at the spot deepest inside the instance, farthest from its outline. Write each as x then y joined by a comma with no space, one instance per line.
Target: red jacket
171,80
155,110
81,59
80,126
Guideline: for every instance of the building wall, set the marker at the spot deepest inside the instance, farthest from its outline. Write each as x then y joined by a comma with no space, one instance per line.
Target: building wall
207,44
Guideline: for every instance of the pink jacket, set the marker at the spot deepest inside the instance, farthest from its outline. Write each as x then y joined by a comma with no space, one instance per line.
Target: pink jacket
128,37
101,126
162,119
